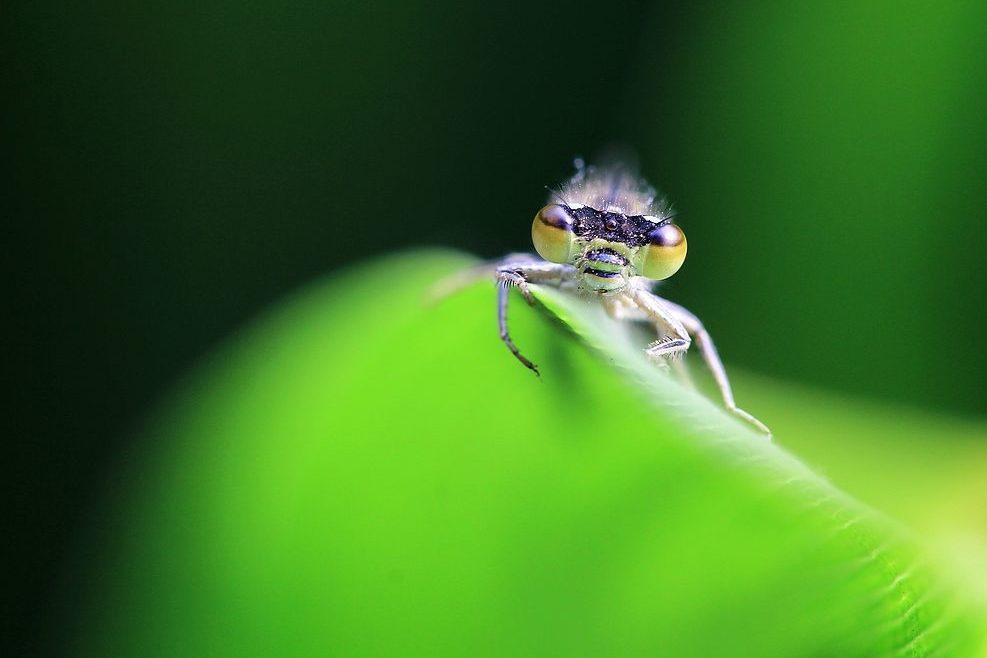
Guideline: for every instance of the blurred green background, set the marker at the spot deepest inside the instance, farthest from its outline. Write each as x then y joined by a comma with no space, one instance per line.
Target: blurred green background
176,167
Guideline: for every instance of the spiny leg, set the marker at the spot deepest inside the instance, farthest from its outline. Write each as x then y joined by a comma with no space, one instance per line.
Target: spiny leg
708,350
517,271
623,307
675,339
503,291
681,321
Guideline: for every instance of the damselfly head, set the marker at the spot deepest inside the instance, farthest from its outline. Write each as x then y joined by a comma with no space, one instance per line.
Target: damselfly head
609,225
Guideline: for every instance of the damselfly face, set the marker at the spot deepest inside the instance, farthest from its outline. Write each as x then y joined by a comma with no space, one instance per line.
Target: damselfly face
608,247
608,224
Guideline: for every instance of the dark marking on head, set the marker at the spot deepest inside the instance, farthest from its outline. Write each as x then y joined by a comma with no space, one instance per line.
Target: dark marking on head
608,256
601,273
631,230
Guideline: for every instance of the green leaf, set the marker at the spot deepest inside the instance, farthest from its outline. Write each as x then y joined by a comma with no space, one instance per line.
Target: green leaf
362,473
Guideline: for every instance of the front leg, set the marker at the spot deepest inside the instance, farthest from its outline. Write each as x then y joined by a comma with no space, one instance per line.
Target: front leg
681,321
675,339
518,271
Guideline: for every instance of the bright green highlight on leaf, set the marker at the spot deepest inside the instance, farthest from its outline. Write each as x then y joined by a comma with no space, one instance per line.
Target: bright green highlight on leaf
364,474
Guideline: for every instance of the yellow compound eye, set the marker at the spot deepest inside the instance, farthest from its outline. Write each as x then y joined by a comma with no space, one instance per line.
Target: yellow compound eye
552,233
664,252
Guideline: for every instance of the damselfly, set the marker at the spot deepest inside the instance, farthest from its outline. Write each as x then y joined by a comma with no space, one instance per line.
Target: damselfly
606,234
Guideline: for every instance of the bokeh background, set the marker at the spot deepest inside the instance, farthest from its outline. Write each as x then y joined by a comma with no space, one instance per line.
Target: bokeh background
173,168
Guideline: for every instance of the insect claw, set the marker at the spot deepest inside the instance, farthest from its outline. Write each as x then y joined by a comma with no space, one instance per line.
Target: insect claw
751,420
523,359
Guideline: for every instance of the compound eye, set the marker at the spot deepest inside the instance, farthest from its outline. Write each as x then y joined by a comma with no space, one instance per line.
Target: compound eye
552,233
664,252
